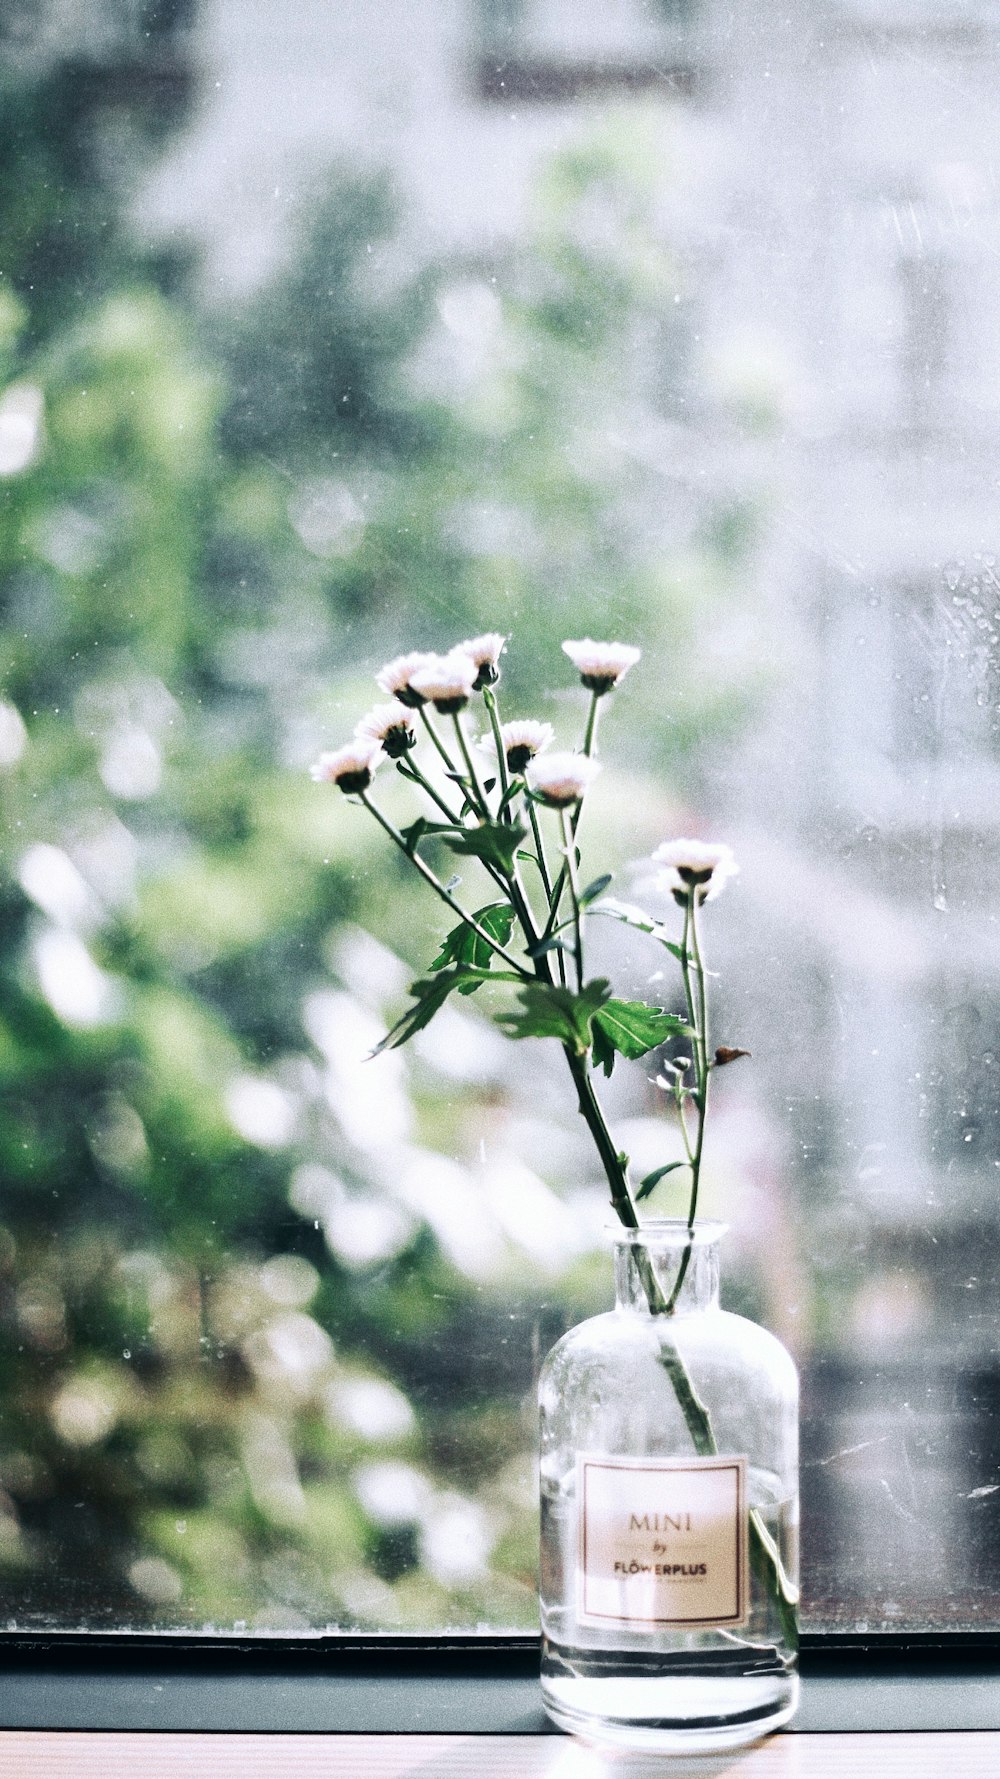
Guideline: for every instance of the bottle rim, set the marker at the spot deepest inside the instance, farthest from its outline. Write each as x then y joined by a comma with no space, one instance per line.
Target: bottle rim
667,1232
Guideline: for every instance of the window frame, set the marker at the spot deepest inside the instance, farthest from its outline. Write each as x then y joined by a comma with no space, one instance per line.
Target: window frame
462,1685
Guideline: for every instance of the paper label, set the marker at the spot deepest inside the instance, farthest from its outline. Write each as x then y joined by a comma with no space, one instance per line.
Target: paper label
662,1541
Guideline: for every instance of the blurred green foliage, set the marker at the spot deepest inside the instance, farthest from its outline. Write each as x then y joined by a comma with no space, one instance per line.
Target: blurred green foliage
225,1396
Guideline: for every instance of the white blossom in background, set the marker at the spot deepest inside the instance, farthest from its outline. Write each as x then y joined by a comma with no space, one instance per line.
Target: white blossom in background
455,1541
78,992
601,665
49,876
83,1412
366,1094
13,734
272,1471
22,408
531,1215
370,1407
131,764
261,1111
562,779
687,864
155,1580
392,1493
450,1200
289,1351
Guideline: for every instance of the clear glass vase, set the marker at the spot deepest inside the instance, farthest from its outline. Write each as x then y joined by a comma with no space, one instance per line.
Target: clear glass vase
669,1485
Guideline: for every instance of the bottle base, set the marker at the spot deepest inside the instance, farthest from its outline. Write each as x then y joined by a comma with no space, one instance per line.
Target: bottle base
670,1714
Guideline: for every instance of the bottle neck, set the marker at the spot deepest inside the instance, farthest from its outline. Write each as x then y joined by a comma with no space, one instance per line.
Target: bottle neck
650,1261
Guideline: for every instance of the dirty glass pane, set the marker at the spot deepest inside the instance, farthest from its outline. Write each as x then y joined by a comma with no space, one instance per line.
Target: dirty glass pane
331,332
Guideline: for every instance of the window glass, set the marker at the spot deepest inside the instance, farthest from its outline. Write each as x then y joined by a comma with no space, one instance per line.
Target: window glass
327,333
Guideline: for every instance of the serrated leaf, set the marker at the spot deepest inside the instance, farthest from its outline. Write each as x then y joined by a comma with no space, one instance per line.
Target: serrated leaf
633,1027
495,843
429,996
646,1185
549,1011
642,922
602,1048
595,889
463,945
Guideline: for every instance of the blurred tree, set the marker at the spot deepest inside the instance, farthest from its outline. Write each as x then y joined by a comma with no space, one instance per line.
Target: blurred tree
219,1306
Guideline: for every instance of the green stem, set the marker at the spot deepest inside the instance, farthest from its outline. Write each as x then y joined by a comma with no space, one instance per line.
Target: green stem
439,889
543,867
698,1017
704,1071
494,716
425,717
569,848
589,745
476,793
765,1559
411,770
590,733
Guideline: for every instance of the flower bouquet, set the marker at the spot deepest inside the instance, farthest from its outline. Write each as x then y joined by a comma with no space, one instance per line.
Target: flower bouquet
668,1440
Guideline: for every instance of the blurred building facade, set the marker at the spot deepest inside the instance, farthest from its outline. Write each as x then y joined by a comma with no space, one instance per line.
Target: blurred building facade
830,198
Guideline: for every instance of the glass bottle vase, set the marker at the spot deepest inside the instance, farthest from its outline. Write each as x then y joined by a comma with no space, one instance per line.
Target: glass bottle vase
669,1500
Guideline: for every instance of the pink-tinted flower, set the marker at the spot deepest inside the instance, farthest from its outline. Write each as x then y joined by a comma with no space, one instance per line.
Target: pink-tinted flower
350,768
695,865
392,725
484,652
396,676
521,741
446,681
560,780
601,664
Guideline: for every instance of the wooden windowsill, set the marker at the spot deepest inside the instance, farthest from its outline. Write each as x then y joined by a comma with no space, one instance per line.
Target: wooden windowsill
76,1754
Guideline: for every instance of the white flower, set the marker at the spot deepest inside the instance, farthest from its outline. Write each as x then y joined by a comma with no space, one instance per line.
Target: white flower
601,664
485,652
396,675
446,681
350,767
562,779
390,724
521,742
695,864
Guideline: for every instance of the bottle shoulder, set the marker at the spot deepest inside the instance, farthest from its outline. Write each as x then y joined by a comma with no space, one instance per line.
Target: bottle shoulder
730,1338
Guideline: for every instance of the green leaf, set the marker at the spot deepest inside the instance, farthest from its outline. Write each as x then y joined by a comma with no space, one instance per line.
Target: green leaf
553,1012
632,1027
643,923
595,889
495,843
646,1185
603,1049
429,996
418,830
463,944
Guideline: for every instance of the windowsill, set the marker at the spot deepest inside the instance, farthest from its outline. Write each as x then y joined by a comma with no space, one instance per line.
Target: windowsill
464,1688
